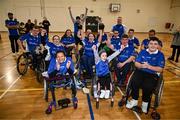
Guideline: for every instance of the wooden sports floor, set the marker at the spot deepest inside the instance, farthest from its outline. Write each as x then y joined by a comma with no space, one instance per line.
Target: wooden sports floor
21,97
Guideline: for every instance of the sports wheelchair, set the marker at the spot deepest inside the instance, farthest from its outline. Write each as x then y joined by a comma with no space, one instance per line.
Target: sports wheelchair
157,92
95,91
59,81
25,60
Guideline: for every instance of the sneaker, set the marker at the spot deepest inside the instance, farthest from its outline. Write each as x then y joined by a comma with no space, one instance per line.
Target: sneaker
144,107
130,104
107,94
102,95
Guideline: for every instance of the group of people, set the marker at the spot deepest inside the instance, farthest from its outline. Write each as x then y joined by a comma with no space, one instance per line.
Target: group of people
117,46
17,29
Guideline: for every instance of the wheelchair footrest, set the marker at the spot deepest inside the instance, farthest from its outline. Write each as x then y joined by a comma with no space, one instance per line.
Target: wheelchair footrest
64,102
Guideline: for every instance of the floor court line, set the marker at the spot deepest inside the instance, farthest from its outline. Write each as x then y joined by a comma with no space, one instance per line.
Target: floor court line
4,93
24,90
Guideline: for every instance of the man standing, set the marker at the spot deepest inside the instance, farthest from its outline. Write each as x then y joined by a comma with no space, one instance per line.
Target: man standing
119,27
13,25
46,25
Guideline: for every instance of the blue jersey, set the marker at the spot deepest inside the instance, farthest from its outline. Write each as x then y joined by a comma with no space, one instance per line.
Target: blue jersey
155,59
76,28
104,37
120,28
88,47
102,68
11,22
133,41
63,69
145,42
116,42
126,53
68,40
32,41
54,48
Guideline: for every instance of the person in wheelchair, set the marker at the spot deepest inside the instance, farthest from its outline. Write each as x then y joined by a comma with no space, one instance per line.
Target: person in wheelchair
52,48
60,65
149,63
68,42
113,43
133,40
33,44
87,59
103,72
124,60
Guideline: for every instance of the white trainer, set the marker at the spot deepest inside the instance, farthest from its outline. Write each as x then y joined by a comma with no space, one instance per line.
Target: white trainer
102,95
144,107
130,104
107,93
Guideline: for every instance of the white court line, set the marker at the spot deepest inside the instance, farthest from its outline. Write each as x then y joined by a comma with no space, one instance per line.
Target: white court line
138,117
10,87
8,72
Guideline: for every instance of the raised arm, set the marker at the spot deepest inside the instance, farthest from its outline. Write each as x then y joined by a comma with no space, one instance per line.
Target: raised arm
96,56
70,12
113,55
85,15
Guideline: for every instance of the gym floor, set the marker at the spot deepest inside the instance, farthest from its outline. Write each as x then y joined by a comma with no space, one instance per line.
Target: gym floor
21,97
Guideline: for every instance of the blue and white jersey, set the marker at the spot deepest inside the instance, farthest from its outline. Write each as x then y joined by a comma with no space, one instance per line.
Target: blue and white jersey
31,41
63,69
154,59
68,40
120,28
52,48
127,52
115,41
133,41
88,51
12,22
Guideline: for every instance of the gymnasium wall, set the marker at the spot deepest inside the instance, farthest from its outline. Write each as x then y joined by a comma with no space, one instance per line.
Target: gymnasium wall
153,13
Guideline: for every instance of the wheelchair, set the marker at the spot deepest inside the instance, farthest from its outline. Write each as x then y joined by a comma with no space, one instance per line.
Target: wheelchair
95,88
157,93
59,81
25,60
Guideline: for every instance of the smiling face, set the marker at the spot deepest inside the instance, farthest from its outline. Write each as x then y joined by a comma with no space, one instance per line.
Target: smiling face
56,40
153,46
60,57
35,31
91,37
68,33
103,56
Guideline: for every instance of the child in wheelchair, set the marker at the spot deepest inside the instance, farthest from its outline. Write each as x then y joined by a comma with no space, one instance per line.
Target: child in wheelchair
60,74
149,63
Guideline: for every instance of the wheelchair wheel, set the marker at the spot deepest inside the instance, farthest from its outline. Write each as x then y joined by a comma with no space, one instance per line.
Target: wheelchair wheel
40,69
22,64
159,92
